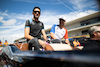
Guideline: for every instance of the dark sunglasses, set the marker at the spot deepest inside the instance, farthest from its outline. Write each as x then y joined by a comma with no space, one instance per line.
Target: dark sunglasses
98,31
36,11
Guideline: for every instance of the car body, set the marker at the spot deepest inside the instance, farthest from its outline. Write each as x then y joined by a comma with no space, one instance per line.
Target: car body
11,56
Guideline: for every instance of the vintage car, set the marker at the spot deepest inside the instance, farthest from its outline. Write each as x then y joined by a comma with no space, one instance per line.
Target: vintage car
12,56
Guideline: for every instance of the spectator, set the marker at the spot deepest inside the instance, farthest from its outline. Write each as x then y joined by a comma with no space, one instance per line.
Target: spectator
76,43
94,41
0,42
6,43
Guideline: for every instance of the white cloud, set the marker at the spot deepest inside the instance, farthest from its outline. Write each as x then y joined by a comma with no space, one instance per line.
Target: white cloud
81,4
1,18
11,37
9,22
75,15
4,13
12,29
11,33
23,16
78,4
15,16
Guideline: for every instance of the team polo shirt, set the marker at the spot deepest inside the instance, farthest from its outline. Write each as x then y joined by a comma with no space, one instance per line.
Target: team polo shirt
35,28
58,32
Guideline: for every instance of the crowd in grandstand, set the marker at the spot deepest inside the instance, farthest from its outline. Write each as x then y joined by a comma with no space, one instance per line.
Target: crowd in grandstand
5,43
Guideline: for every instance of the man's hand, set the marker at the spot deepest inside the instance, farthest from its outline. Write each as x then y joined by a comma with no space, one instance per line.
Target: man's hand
67,42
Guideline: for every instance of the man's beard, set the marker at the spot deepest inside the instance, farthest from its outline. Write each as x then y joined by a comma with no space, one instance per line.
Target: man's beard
62,25
36,17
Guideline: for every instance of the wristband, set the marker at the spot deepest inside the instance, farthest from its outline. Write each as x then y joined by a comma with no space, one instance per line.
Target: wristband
47,43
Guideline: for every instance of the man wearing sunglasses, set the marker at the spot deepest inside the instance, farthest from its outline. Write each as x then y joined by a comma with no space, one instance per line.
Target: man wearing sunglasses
94,41
33,30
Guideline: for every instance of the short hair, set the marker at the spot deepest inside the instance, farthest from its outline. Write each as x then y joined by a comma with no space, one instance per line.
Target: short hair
93,29
35,8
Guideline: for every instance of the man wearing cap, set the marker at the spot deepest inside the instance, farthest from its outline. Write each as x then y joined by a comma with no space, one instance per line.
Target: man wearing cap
59,31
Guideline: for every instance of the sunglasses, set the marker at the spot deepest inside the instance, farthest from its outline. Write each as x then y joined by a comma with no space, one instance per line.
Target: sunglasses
37,11
98,31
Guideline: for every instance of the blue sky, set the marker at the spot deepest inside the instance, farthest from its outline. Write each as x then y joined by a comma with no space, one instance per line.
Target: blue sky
14,13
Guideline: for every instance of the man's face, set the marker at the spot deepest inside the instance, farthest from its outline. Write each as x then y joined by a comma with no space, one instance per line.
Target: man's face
61,22
97,33
36,13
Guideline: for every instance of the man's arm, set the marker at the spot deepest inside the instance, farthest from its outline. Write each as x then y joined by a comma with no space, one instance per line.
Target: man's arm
27,31
66,37
44,34
53,31
52,35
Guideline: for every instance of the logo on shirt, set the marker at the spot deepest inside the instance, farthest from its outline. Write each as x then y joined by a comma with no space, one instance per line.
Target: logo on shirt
32,23
40,24
59,33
